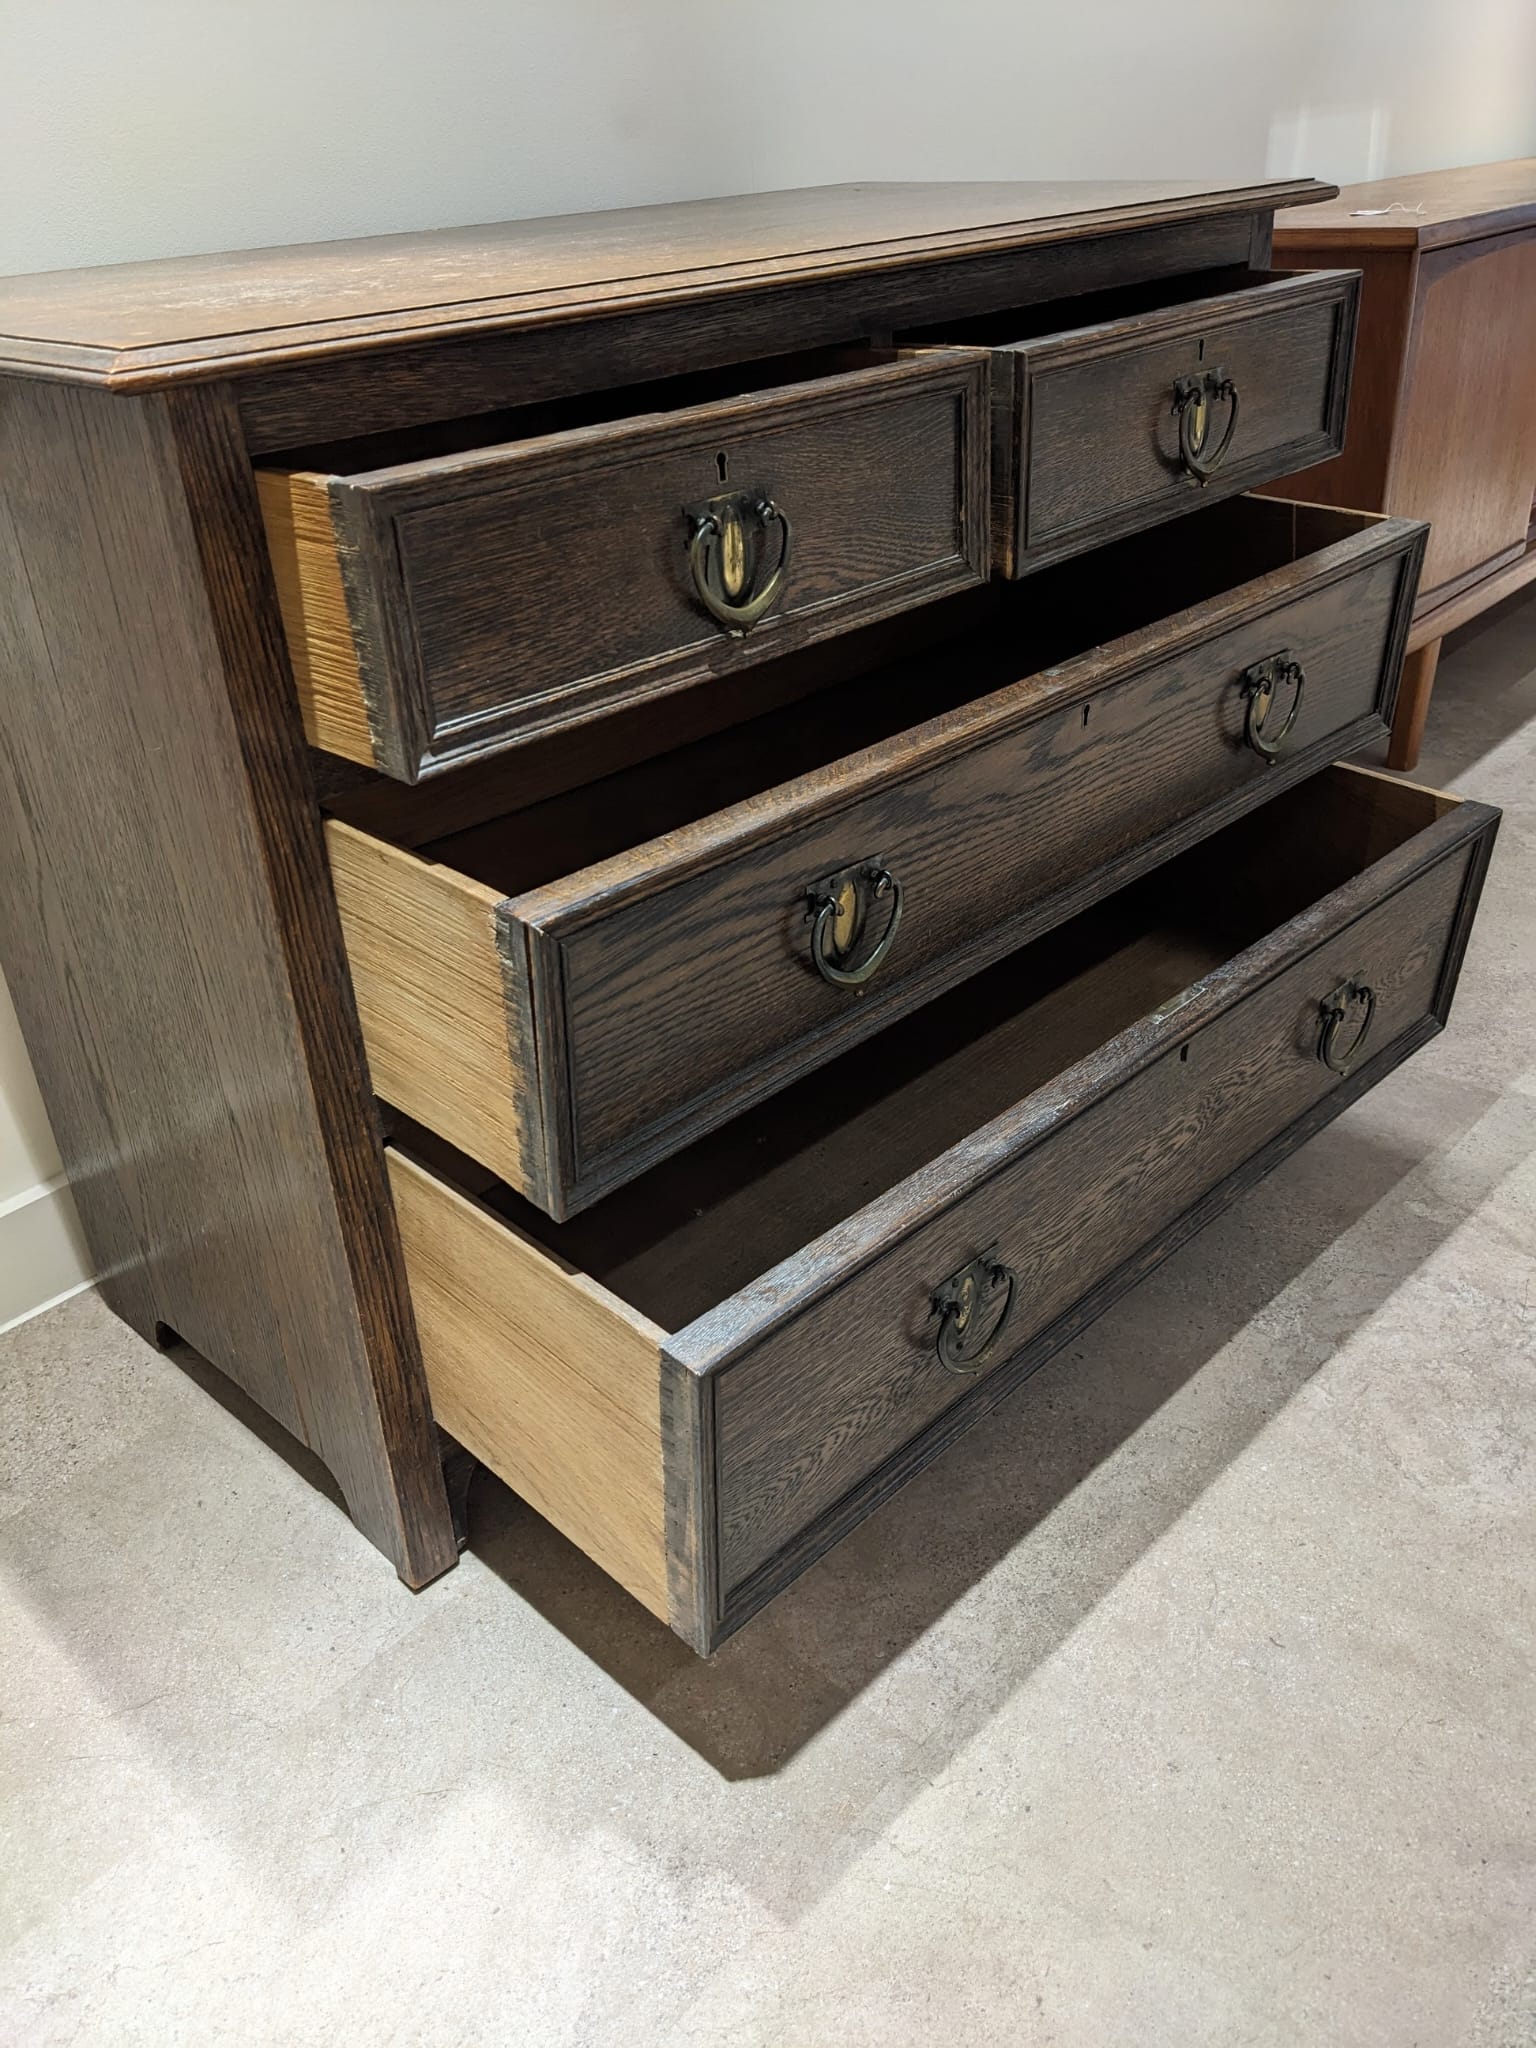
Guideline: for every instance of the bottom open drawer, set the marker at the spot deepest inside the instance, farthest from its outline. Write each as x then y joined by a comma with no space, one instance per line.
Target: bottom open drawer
710,1376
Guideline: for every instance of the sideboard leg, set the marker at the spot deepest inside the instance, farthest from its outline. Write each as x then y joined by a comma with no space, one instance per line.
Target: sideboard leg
1413,706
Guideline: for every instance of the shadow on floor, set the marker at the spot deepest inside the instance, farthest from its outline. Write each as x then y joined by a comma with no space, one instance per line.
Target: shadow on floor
978,1525
779,1682
235,1401
793,1669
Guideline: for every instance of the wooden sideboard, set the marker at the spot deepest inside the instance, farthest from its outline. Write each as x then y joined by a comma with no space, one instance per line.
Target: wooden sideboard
1443,423
661,848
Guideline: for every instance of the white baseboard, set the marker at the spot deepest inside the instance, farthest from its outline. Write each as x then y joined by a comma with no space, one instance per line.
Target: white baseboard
42,1254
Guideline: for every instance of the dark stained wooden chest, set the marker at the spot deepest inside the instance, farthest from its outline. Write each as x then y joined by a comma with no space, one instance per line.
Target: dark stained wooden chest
667,845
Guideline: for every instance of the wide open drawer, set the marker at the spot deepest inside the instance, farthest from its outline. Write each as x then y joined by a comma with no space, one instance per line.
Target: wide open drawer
709,1377
572,991
531,571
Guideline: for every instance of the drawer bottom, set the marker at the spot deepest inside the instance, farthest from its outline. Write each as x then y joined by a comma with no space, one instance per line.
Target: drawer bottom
709,1376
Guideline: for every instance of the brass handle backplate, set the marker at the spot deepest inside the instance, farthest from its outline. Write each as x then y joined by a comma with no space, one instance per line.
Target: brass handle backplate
1261,683
970,1321
727,556
838,908
1353,994
1193,398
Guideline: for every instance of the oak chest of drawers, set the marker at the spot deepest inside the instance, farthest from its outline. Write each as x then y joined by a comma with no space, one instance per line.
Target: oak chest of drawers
662,848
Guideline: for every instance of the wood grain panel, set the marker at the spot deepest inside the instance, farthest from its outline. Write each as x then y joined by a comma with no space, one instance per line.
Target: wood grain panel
447,1037
1443,419
1466,602
1095,440
1444,426
1357,476
171,942
297,515
547,1379
1465,452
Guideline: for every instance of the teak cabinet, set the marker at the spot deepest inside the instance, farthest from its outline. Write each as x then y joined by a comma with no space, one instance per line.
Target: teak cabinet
661,848
1443,424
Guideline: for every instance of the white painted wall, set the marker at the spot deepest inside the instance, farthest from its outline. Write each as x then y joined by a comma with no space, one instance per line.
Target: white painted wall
42,1255
162,127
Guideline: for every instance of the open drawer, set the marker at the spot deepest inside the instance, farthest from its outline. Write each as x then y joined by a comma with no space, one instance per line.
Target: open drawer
713,1374
571,991
453,590
1114,412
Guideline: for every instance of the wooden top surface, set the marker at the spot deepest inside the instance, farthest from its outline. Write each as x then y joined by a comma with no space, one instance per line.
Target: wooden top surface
1429,210
134,324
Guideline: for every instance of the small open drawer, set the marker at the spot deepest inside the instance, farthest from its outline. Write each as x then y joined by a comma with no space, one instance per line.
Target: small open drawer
570,991
710,1376
457,589
1117,411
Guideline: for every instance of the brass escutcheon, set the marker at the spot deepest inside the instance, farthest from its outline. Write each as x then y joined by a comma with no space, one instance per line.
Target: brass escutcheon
838,908
727,549
967,1334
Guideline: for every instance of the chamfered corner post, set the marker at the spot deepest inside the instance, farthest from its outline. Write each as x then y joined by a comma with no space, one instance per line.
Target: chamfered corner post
172,943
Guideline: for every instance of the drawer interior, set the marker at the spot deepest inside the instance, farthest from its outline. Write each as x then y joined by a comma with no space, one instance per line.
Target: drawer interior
974,644
400,446
1096,309
697,1228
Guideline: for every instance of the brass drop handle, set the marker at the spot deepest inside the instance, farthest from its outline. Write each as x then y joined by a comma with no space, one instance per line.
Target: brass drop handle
970,1323
1193,398
1261,684
1353,994
726,553
838,908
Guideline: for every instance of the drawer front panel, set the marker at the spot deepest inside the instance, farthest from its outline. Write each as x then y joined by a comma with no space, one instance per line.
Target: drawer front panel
695,992
505,593
1095,443
827,1397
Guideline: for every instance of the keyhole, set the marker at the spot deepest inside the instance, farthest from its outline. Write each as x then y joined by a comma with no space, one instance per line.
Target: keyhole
1085,714
1183,1052
1200,358
721,464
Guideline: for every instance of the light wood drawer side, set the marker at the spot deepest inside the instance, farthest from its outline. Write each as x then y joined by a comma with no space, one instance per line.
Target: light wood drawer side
550,1381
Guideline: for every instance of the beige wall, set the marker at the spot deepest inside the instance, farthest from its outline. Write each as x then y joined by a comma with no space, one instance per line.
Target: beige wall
166,126
172,125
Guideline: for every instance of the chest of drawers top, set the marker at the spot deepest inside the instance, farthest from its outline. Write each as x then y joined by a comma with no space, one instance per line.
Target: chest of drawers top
248,313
